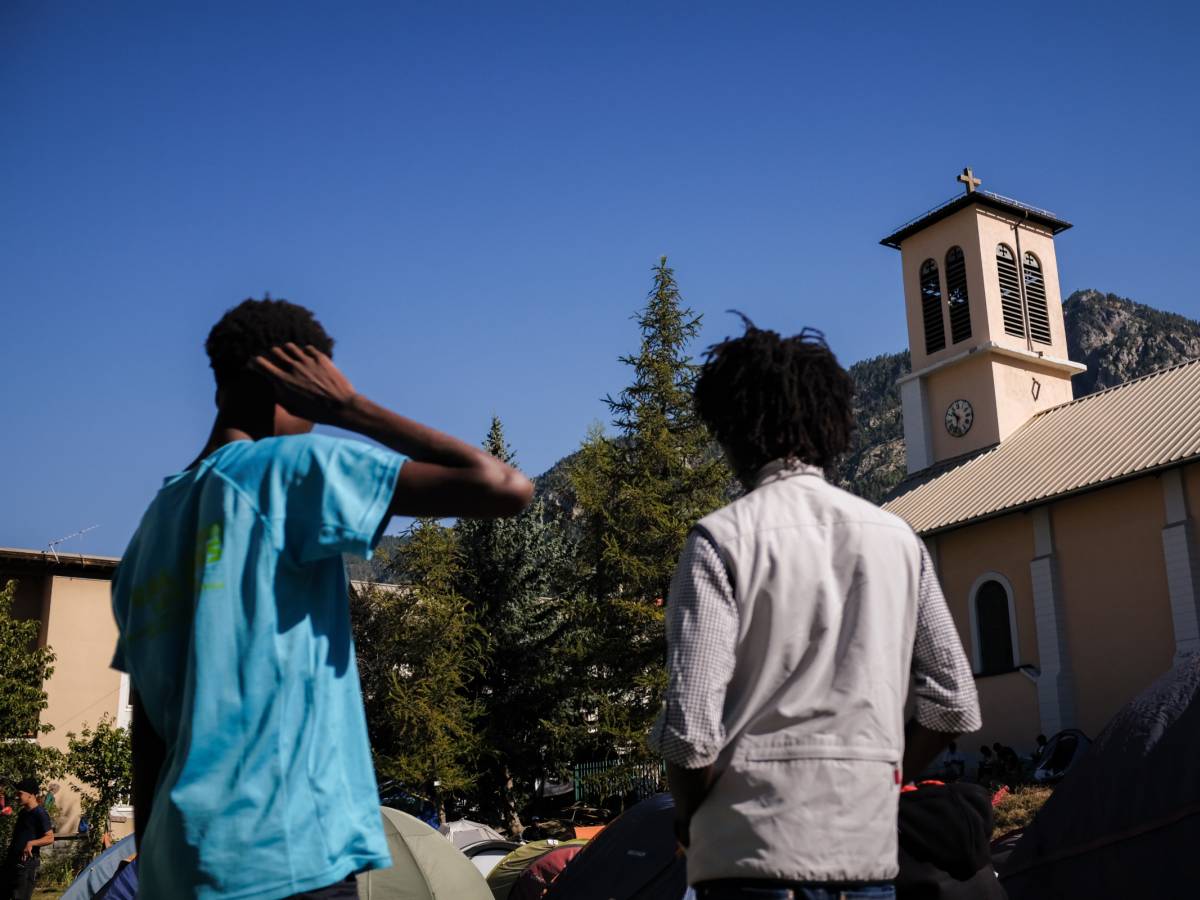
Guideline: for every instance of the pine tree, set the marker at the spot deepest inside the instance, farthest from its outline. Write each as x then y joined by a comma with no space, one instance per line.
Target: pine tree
419,649
641,490
510,570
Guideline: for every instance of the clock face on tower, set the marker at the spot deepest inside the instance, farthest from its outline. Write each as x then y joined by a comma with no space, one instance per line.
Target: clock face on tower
959,417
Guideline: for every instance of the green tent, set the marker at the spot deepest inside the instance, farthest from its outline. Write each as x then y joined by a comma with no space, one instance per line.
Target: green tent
425,866
502,878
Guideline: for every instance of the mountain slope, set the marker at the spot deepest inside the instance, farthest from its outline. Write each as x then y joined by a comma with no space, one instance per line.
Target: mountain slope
1117,338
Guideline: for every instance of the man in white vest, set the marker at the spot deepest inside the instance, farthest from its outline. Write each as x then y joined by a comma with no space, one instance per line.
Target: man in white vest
797,617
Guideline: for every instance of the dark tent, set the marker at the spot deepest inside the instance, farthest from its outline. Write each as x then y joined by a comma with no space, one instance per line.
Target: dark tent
100,870
1060,753
123,885
541,873
1125,821
634,858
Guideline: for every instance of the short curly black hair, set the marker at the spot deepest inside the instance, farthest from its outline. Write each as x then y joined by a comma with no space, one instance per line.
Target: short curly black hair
253,327
766,397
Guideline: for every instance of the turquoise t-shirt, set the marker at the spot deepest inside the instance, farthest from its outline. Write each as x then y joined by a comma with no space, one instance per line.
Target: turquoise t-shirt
235,630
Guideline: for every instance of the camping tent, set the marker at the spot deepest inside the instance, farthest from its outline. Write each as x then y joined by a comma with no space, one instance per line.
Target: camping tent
487,854
1125,821
425,866
464,832
542,871
634,858
502,878
123,885
100,870
1060,753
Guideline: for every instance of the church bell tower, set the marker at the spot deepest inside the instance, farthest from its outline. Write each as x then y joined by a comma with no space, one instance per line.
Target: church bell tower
985,323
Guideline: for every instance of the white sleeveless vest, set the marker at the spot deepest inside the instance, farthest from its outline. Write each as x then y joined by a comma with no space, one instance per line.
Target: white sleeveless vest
826,586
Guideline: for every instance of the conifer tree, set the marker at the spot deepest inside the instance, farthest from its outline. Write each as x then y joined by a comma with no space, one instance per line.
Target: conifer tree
640,491
510,570
419,649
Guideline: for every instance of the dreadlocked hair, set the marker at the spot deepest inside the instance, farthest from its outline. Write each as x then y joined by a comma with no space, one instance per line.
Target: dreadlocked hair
255,326
766,397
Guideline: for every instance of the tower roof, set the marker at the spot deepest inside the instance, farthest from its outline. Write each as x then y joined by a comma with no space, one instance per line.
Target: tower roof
1042,217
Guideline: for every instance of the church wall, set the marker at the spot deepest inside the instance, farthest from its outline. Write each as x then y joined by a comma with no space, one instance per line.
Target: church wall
933,242
1014,392
969,380
1115,599
1009,705
1003,546
993,229
1191,490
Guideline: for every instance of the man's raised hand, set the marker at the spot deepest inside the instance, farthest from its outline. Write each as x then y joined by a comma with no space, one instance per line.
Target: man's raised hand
307,383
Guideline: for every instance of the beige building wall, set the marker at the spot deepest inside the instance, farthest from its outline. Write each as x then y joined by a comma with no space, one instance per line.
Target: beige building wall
1114,592
978,231
1009,705
970,380
992,228
81,631
933,243
966,557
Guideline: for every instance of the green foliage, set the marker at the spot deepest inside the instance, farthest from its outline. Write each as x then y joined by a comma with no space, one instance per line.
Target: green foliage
24,669
639,493
419,647
510,568
643,489
101,758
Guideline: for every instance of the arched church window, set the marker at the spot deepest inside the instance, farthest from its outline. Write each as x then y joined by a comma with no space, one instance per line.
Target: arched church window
931,307
993,628
1035,295
1010,291
956,295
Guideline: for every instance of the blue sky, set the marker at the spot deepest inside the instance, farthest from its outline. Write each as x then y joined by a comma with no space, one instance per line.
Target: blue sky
471,197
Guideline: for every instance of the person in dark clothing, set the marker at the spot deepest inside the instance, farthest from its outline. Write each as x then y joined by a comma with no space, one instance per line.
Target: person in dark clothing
31,833
986,764
945,830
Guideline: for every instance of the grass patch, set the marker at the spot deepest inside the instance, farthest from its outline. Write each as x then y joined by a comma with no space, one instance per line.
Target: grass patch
1019,807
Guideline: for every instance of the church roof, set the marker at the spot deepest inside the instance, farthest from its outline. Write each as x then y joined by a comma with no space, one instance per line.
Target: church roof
1133,429
1042,217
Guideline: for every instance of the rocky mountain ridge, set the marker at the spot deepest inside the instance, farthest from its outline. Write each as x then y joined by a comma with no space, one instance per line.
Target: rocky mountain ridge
1117,338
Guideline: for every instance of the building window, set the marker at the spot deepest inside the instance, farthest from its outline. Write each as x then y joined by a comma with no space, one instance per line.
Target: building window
1010,291
931,307
1035,295
993,622
956,295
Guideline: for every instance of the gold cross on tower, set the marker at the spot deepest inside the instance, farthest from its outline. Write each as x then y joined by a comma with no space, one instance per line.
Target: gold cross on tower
968,178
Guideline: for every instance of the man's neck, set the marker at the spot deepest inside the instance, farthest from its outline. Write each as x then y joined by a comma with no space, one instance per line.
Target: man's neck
224,433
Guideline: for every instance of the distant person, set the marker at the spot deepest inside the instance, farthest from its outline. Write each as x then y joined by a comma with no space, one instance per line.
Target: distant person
252,770
987,765
31,832
954,764
796,617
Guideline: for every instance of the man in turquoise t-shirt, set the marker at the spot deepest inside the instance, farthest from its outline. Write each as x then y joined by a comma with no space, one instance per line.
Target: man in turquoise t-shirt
252,771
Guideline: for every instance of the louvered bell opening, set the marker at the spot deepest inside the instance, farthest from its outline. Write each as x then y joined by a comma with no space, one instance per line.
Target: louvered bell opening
931,308
956,295
1010,292
1035,293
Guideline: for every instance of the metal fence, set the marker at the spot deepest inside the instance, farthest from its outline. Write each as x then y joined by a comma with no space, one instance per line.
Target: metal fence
597,781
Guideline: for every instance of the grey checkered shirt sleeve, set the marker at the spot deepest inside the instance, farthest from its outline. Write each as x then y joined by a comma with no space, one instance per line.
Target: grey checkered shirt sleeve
943,685
702,630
